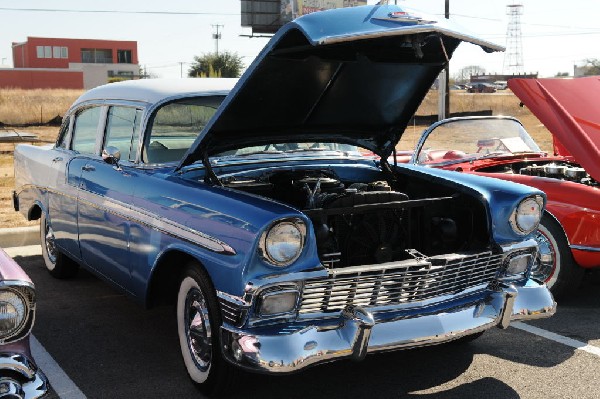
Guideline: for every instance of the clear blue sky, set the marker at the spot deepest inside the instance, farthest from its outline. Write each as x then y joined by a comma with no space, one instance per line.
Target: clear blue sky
555,34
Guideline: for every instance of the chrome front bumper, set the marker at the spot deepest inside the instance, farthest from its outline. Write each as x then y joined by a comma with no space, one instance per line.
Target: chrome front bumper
21,378
291,347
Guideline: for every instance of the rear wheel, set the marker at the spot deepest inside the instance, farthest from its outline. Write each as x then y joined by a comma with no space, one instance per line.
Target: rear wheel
198,325
555,265
58,264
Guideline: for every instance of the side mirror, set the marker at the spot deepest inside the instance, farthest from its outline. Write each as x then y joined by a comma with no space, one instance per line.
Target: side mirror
112,155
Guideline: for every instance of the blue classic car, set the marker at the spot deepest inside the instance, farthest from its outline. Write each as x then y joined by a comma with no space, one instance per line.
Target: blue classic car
250,206
19,375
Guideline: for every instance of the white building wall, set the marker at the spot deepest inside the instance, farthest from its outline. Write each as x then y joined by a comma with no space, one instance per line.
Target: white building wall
97,74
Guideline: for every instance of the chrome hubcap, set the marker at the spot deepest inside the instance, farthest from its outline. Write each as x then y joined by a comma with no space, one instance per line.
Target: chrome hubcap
545,264
50,243
197,329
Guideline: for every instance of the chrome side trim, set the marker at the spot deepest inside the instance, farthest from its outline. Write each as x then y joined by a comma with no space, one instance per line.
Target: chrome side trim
585,248
148,219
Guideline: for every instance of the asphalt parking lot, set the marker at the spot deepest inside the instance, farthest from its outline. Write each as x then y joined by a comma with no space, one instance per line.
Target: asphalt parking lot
105,346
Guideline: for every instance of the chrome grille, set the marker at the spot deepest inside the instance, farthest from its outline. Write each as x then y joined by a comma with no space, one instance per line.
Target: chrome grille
230,312
413,281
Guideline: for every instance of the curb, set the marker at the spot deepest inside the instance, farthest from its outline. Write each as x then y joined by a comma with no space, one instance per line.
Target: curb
19,236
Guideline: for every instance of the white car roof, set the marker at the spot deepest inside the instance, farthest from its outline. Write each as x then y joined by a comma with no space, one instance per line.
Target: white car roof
156,90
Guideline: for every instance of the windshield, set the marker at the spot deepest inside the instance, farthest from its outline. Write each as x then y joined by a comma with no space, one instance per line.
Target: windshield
290,148
469,139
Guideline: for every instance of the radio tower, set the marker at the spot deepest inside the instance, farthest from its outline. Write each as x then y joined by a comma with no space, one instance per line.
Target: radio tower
513,58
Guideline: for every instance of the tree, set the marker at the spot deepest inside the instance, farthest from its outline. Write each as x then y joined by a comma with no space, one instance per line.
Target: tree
592,67
464,74
221,65
561,74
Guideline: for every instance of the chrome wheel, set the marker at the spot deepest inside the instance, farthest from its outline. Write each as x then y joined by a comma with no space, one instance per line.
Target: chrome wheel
49,242
548,259
197,329
59,265
555,265
195,335
198,326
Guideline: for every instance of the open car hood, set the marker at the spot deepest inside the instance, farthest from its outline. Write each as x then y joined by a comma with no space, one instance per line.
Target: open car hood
569,108
352,75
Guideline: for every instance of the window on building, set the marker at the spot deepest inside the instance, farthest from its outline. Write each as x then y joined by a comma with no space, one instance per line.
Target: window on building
60,52
45,51
124,56
96,56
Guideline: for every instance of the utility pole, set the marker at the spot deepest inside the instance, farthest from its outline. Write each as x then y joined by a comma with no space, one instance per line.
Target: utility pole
181,69
447,69
217,37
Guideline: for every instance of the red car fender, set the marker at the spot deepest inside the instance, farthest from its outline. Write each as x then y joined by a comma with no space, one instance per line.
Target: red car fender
579,217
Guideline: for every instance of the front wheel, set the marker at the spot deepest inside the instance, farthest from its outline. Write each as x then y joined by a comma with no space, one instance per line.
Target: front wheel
198,325
555,265
58,264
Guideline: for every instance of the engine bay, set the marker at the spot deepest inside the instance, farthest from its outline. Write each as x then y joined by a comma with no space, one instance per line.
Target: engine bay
552,169
374,219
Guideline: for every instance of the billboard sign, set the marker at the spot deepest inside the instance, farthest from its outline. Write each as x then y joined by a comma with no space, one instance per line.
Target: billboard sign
291,9
267,16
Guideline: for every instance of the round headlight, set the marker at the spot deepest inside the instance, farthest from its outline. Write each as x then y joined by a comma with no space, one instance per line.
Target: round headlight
284,241
13,312
527,216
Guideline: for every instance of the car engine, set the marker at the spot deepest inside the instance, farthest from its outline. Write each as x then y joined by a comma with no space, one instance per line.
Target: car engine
372,222
563,171
554,170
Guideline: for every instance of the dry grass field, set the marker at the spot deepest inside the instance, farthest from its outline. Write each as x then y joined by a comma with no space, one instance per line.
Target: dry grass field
22,106
18,106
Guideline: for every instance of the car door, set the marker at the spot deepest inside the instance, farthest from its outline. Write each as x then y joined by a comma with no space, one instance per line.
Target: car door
62,199
105,197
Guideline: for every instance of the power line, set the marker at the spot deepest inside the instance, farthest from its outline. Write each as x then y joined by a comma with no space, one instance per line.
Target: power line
522,23
117,11
550,34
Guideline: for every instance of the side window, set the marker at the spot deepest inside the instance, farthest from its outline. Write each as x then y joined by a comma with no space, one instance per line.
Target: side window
122,131
176,125
63,140
84,132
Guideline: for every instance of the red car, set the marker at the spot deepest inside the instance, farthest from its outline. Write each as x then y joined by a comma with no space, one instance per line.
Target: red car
569,235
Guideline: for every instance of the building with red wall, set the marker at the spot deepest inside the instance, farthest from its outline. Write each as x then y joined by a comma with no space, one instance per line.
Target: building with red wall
42,62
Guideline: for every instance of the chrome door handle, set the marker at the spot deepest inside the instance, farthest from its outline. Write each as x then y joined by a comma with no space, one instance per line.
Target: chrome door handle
57,159
88,168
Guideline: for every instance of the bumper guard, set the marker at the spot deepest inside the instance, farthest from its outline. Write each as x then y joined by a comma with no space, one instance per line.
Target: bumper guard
289,348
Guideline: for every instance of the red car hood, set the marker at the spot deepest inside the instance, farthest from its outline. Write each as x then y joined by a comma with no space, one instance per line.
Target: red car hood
570,110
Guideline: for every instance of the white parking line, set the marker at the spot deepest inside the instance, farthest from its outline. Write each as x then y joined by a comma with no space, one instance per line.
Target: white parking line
558,338
64,387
